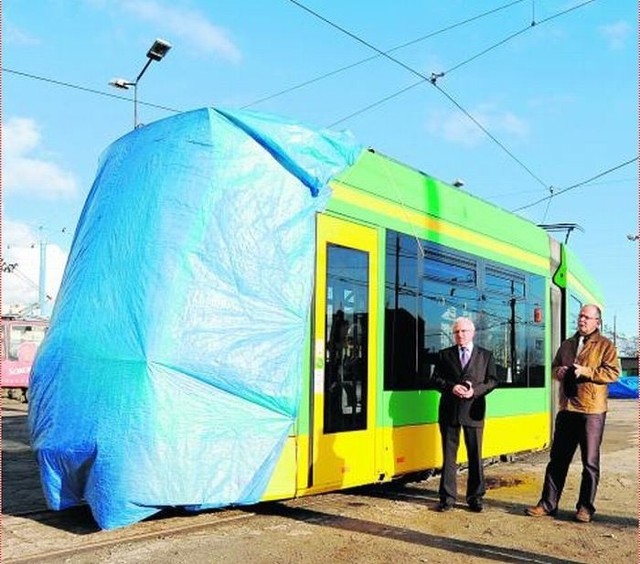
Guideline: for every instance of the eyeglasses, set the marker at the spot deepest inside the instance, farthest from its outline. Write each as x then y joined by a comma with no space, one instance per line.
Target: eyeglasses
583,316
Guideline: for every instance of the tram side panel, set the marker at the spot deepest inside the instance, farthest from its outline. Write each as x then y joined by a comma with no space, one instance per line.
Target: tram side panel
440,262
444,254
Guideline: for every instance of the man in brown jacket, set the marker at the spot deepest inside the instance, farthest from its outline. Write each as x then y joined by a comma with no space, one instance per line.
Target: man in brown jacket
584,365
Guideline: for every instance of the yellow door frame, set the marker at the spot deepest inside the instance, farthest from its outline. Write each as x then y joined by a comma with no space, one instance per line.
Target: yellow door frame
346,458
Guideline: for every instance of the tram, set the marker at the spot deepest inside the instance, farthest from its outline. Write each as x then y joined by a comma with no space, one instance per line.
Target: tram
400,255
277,336
21,338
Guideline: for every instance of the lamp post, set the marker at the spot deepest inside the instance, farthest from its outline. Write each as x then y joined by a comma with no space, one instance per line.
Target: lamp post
155,53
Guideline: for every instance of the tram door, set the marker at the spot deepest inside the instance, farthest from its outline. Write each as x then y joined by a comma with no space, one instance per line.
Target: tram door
343,446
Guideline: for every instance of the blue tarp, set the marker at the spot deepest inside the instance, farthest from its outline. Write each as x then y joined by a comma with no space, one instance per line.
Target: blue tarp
626,387
170,373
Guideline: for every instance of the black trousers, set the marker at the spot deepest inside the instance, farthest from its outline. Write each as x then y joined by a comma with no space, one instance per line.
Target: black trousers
573,429
475,481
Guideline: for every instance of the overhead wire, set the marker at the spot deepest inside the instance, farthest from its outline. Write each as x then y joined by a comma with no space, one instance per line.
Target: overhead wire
533,24
577,184
431,80
373,57
435,76
91,90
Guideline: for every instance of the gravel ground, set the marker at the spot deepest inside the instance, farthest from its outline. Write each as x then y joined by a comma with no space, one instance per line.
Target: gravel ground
392,524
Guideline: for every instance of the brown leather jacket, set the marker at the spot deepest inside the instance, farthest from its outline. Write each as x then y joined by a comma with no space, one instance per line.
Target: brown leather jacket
600,358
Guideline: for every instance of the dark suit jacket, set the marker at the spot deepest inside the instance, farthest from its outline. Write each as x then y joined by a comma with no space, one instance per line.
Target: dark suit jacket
480,371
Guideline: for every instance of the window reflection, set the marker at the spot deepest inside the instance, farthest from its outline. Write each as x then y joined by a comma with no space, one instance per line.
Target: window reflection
428,286
347,318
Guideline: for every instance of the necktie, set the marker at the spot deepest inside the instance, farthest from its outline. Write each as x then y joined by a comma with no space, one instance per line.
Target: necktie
464,356
580,345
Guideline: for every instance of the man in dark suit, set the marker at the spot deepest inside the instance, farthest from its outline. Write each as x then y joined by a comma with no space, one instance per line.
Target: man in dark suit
464,375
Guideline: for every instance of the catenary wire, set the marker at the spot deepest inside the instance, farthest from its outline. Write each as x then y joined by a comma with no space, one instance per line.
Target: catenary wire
98,92
432,80
85,89
366,60
149,104
435,76
577,185
533,24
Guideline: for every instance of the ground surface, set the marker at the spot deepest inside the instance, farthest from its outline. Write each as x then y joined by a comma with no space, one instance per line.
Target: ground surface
371,525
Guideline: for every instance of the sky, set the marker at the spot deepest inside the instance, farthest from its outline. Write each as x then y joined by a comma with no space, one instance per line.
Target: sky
533,104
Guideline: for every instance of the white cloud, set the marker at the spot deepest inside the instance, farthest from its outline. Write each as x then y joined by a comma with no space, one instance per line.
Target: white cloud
20,288
457,128
190,25
15,36
616,34
28,174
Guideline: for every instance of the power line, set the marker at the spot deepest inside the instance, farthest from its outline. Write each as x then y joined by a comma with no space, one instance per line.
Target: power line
491,136
435,76
359,39
377,103
578,184
520,32
432,80
85,89
397,48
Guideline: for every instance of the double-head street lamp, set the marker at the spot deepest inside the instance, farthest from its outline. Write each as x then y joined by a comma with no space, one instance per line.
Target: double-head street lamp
157,51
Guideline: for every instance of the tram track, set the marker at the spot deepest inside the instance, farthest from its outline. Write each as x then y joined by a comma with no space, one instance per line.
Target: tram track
73,532
160,528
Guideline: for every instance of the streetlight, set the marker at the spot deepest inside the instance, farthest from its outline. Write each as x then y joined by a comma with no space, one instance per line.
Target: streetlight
632,237
155,53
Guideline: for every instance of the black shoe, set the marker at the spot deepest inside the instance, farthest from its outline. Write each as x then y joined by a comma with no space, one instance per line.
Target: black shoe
476,506
443,506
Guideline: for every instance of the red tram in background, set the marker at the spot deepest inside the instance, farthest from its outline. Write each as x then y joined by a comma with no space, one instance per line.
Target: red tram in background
20,340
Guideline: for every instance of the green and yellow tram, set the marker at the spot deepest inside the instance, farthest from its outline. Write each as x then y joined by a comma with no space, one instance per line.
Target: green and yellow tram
400,255
251,311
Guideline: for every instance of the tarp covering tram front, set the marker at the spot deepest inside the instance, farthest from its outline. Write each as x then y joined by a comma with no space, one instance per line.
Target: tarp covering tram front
170,373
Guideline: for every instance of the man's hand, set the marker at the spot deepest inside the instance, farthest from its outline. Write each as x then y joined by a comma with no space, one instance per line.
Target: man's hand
464,391
459,390
580,370
469,390
561,372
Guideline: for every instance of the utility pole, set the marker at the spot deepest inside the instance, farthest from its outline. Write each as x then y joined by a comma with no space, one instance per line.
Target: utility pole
42,279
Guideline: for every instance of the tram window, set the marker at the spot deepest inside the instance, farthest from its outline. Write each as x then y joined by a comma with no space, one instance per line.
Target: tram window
504,282
3,342
449,269
502,329
24,338
509,327
535,351
575,305
441,303
426,292
403,326
347,330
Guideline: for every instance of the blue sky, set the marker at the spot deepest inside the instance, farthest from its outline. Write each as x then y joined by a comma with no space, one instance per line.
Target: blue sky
558,102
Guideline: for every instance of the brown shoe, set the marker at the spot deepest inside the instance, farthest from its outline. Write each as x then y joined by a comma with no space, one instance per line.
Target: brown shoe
583,515
538,511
